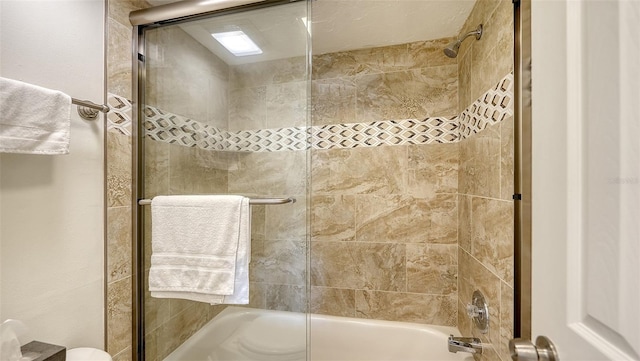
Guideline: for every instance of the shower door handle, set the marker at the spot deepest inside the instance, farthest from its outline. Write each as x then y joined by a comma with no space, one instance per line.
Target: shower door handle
524,350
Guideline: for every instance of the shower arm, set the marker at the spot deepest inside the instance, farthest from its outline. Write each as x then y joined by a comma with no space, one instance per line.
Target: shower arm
477,33
452,49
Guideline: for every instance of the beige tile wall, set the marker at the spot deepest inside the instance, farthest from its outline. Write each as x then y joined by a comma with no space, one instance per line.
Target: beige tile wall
384,219
118,188
485,182
185,78
265,95
170,169
386,240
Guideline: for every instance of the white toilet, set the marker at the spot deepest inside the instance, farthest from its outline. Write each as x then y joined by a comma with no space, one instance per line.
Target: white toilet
87,354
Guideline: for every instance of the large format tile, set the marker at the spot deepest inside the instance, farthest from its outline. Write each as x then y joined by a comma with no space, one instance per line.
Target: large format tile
506,321
180,327
268,72
119,59
118,243
286,105
196,171
156,168
280,262
464,222
151,346
492,235
389,218
384,59
118,170
474,276
432,169
379,170
119,315
333,218
407,307
333,101
334,65
248,109
497,36
480,14
125,355
333,301
479,172
415,94
432,269
157,311
286,298
424,54
464,81
184,77
269,174
404,219
356,265
287,221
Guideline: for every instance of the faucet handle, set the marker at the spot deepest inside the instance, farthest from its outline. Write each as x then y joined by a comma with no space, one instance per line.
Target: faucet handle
478,311
474,311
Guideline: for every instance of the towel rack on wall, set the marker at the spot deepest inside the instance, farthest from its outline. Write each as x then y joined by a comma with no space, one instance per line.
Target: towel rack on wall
253,201
89,110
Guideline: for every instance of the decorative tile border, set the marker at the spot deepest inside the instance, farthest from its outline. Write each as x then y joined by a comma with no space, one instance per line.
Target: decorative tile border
268,140
389,132
171,128
119,116
492,107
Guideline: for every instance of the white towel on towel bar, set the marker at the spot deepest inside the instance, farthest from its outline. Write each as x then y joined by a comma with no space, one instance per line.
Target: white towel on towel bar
33,120
201,248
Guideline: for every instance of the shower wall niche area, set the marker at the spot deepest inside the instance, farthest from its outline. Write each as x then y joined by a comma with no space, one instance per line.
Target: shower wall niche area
210,126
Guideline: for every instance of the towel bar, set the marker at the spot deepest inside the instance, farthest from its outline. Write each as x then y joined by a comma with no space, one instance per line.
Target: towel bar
89,110
253,201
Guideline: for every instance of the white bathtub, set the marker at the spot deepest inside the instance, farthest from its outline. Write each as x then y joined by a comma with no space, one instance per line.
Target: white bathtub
246,334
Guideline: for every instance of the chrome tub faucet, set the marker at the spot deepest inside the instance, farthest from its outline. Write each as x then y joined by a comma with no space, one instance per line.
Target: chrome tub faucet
465,344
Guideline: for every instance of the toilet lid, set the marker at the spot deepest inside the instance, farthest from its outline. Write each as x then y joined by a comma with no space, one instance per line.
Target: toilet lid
277,334
87,354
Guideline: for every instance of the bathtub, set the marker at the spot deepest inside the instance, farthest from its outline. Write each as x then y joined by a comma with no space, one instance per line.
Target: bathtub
246,334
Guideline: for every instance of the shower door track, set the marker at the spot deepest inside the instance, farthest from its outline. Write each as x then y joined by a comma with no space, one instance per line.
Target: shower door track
188,10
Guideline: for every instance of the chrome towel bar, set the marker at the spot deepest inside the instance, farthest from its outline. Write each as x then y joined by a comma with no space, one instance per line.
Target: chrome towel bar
253,201
89,110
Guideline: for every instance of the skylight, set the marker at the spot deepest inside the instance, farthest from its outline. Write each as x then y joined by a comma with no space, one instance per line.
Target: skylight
238,43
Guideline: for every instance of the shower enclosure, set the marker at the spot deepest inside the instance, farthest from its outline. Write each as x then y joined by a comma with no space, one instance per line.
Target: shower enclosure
399,158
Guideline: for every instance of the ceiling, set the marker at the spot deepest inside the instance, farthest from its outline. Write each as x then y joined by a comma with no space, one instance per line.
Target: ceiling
337,25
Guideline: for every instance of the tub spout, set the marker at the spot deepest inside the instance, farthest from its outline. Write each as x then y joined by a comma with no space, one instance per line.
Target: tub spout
465,344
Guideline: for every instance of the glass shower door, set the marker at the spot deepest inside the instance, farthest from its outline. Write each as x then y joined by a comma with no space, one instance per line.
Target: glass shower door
224,111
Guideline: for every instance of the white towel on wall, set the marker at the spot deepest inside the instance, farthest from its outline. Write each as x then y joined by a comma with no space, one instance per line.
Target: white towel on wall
201,248
33,120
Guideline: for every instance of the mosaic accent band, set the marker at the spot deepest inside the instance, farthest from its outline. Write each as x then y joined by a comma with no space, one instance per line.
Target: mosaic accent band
119,116
492,107
388,132
170,128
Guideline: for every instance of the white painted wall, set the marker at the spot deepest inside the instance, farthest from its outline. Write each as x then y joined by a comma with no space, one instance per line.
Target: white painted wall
51,207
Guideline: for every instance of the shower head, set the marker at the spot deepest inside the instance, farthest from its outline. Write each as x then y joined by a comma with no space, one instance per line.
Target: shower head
452,50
